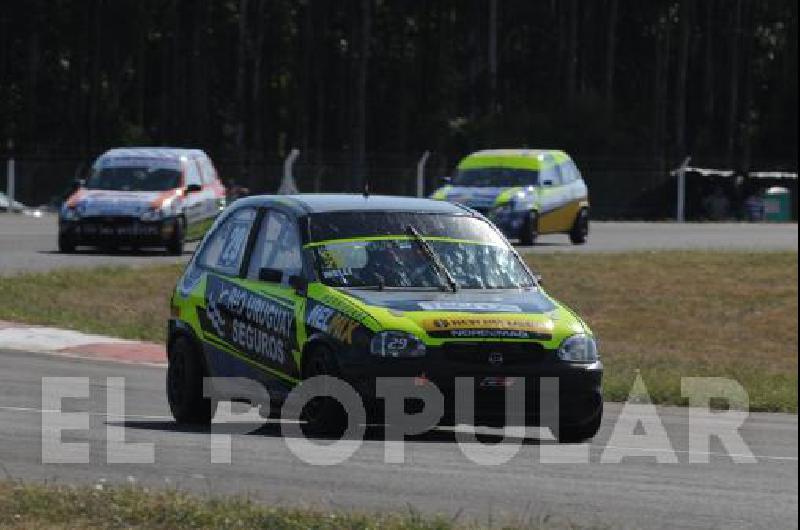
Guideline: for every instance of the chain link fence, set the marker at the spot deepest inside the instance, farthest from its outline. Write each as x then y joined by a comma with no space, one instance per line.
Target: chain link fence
620,188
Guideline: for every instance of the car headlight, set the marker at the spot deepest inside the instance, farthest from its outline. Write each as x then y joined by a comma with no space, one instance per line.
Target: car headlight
70,214
396,344
504,209
168,209
152,214
578,348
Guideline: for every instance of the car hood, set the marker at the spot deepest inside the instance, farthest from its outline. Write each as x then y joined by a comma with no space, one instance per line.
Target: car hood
107,202
501,314
483,198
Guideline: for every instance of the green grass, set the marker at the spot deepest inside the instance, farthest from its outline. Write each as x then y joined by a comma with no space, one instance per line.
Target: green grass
42,506
676,314
668,314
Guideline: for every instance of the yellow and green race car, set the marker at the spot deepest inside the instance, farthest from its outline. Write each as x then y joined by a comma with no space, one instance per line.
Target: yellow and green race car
524,192
285,288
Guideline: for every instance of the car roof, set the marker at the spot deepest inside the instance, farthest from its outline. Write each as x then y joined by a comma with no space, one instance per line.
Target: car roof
168,153
536,159
309,203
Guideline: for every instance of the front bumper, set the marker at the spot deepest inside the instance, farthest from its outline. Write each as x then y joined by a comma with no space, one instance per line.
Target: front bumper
579,385
117,230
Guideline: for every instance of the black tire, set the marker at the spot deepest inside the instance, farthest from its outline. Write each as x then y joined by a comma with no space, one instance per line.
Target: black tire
323,416
581,432
185,385
579,232
65,245
175,245
530,229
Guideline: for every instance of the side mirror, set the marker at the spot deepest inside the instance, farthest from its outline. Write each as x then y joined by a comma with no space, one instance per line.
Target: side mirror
538,278
79,183
266,274
192,188
298,283
446,180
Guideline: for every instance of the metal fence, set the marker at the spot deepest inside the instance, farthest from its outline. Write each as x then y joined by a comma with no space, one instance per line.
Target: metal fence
620,188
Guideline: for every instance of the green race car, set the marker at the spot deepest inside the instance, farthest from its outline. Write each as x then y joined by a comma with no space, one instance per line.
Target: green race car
284,288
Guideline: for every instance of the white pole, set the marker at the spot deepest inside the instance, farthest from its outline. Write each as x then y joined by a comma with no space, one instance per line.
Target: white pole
288,185
10,178
421,173
680,210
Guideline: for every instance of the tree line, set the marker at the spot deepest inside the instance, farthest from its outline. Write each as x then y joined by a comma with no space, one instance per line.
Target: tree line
358,80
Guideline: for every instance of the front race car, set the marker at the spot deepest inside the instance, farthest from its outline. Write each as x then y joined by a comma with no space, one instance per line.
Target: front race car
137,207
455,303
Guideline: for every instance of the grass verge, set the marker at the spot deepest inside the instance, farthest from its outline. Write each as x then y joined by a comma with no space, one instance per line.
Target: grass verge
674,314
38,506
668,314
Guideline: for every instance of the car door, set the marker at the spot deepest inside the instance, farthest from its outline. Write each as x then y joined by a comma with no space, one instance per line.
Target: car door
552,197
277,313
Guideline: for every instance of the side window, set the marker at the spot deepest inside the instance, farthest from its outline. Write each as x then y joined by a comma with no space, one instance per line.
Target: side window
193,173
224,250
277,246
552,174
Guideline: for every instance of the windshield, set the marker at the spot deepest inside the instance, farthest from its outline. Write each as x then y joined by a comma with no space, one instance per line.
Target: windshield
134,179
496,177
364,255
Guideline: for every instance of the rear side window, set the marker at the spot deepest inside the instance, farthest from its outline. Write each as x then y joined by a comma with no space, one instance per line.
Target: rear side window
224,250
277,246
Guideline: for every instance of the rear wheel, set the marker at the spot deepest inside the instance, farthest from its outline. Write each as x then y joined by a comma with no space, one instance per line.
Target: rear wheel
580,228
530,229
185,385
323,415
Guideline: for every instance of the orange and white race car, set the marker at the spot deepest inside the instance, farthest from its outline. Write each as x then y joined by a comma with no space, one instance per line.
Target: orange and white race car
142,197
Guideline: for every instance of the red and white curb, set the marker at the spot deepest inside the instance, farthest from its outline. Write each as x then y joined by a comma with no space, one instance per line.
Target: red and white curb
70,343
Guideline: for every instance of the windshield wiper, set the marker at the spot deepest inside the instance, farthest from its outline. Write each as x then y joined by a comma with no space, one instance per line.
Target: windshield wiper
434,259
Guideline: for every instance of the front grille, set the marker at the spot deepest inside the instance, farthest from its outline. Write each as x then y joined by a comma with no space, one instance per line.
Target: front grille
110,219
505,353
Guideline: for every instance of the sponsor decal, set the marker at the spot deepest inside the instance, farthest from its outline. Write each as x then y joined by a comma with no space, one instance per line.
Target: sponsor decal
262,328
488,327
330,321
343,306
470,306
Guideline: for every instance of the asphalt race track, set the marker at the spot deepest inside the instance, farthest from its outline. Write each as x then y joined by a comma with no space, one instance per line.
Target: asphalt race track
30,244
436,478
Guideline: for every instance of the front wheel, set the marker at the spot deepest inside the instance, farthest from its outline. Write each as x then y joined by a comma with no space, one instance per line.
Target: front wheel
530,229
580,228
65,245
323,415
581,432
185,385
175,245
